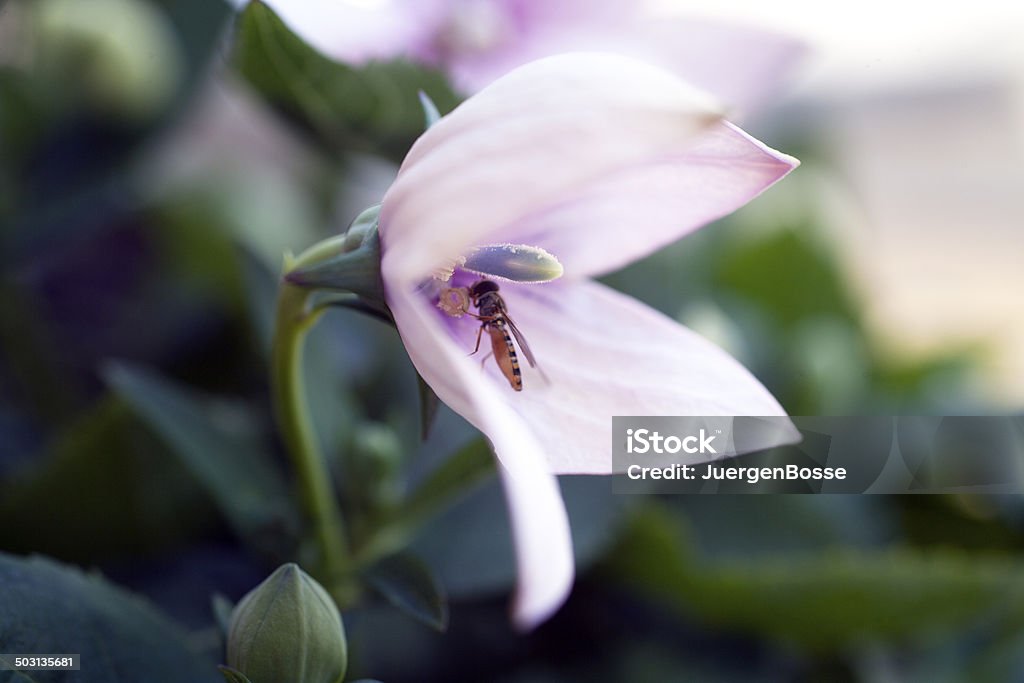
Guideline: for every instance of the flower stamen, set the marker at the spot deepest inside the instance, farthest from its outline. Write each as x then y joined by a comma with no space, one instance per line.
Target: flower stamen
454,301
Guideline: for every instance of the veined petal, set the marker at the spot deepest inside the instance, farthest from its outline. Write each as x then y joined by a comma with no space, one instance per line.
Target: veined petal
607,354
545,131
540,525
638,209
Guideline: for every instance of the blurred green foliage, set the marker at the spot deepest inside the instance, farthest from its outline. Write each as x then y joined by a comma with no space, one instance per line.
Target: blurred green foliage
375,107
105,450
74,121
134,331
824,601
49,608
241,480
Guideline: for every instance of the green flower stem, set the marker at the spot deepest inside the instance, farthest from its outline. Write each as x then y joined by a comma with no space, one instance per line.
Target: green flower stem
343,270
294,320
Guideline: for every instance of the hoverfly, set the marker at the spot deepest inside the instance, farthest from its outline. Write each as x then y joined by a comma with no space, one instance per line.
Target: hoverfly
494,318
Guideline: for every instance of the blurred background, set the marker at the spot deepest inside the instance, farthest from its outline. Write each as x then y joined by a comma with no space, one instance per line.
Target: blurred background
920,111
157,157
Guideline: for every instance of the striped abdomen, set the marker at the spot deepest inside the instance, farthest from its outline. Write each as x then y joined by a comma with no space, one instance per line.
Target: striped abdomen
505,352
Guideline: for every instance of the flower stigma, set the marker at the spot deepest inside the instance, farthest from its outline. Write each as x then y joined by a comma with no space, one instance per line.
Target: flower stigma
518,263
521,263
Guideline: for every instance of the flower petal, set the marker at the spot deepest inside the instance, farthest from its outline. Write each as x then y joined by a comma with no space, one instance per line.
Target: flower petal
520,32
354,32
742,66
545,131
639,209
540,525
607,354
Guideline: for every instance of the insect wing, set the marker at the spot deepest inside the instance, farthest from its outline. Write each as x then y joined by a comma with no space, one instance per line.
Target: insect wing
523,346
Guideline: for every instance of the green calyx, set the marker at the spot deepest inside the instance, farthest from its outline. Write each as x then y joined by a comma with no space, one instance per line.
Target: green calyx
348,264
286,629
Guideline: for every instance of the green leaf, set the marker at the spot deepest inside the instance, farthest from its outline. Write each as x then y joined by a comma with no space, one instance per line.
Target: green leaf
470,466
18,677
342,106
805,278
824,601
752,527
48,607
220,445
157,506
408,584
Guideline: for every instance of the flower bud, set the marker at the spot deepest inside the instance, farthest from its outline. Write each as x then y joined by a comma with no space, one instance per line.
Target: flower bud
373,465
288,629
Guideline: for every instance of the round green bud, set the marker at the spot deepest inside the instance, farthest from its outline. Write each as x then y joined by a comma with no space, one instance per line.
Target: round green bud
288,629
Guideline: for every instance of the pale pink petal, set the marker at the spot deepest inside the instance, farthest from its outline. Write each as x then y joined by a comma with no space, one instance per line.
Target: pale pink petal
743,66
485,39
535,14
547,130
539,522
355,32
639,209
607,354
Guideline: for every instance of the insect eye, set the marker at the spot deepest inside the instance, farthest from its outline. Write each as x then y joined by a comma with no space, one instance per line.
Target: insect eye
483,287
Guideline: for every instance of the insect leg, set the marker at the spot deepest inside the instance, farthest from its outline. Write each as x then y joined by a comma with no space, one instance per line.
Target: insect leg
479,333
